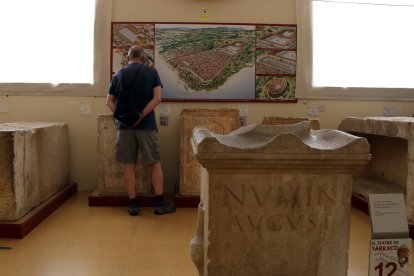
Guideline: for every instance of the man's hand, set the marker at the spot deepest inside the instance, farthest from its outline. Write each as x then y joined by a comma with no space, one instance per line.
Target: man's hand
141,116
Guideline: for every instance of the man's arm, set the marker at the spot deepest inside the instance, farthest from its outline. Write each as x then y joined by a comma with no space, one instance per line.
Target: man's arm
111,102
156,99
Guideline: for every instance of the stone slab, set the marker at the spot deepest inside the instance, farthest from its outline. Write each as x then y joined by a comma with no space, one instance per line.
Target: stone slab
110,172
392,164
34,165
221,121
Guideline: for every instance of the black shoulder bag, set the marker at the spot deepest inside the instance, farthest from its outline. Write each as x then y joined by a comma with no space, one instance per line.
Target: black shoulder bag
126,107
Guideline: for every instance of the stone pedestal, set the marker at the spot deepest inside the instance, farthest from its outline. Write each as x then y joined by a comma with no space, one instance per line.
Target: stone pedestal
391,169
314,122
277,199
110,171
34,165
220,121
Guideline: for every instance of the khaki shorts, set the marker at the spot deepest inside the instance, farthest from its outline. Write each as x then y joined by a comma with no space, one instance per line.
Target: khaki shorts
128,141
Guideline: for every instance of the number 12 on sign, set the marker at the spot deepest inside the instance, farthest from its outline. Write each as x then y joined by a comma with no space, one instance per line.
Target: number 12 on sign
390,269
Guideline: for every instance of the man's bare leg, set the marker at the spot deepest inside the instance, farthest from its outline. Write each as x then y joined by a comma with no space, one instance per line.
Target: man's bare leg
157,178
129,180
162,206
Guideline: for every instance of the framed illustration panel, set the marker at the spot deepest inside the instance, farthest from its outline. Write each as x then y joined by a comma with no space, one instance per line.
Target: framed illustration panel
214,62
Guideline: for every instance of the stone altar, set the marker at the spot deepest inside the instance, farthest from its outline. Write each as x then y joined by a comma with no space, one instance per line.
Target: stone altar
270,120
276,200
34,165
391,169
110,172
220,121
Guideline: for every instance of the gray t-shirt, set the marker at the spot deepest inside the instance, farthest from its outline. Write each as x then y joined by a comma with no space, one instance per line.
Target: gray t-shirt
143,84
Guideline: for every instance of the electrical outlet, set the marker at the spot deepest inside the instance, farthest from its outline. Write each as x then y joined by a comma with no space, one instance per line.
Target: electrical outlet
388,111
313,111
163,121
85,109
321,108
243,121
244,111
165,110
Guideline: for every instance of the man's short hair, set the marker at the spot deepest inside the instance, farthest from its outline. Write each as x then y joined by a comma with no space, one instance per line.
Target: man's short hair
135,52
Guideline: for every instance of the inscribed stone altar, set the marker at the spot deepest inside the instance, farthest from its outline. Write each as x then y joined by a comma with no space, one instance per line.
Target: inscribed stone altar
34,165
277,199
110,179
220,121
391,169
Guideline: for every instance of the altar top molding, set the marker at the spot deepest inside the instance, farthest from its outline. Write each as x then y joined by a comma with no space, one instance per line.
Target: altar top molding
281,144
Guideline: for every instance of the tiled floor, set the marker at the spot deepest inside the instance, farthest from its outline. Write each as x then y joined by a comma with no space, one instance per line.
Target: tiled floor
81,240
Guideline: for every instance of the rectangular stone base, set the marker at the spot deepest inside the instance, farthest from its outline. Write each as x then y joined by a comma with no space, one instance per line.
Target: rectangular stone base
22,227
34,165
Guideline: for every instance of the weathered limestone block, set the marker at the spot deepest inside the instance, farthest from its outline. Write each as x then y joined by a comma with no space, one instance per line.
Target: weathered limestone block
220,121
34,165
314,122
197,242
277,199
391,169
110,171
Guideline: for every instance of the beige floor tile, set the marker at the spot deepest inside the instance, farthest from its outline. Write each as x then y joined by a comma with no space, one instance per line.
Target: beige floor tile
360,233
90,256
83,241
181,257
163,230
10,270
36,256
143,257
84,271
112,234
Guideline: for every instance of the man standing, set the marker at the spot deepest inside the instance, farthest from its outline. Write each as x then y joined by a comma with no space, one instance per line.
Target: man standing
146,82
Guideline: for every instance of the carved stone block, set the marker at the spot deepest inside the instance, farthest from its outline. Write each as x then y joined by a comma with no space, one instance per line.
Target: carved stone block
110,171
34,165
277,199
391,169
314,122
221,121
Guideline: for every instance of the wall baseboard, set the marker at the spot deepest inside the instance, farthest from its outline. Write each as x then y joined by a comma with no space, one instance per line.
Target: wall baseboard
96,199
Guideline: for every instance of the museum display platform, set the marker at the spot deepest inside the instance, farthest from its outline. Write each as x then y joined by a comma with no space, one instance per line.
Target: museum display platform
20,228
96,199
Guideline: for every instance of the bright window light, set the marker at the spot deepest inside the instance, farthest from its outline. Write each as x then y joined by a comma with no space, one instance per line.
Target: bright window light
363,43
47,41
